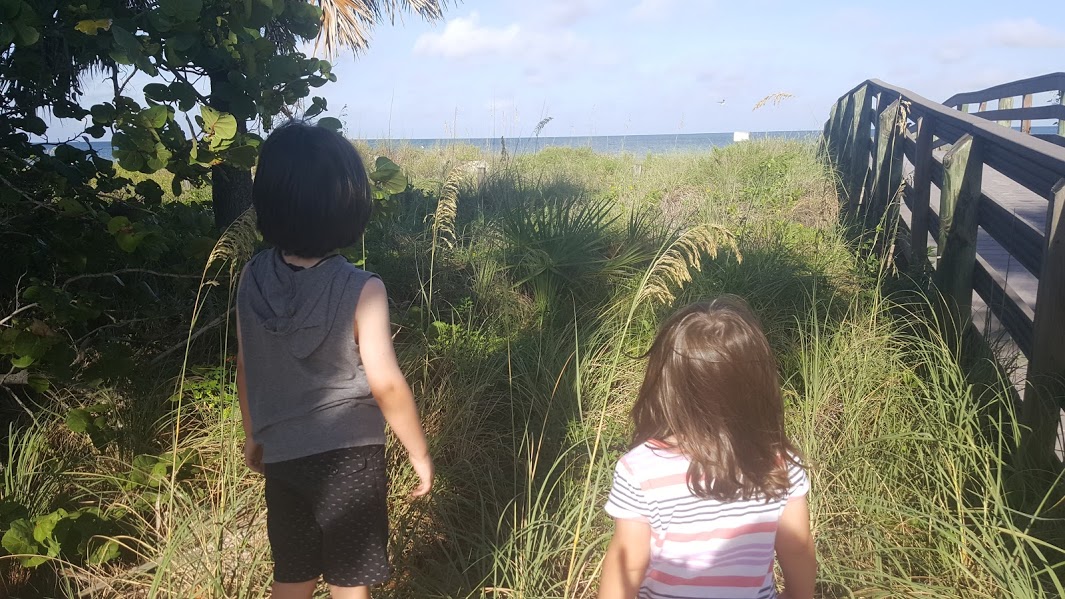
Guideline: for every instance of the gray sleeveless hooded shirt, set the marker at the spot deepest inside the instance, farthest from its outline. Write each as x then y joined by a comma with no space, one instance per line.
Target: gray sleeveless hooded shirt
306,385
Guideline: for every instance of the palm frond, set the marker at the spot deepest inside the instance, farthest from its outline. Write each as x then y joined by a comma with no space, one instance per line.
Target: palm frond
348,22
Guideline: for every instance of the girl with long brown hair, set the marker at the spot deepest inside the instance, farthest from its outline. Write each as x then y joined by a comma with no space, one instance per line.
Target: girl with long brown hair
712,489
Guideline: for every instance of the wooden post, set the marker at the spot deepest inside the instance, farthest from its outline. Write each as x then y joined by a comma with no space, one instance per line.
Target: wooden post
888,162
959,211
1061,122
1045,389
846,126
1003,104
826,142
859,150
1026,124
983,106
964,108
922,188
837,126
870,179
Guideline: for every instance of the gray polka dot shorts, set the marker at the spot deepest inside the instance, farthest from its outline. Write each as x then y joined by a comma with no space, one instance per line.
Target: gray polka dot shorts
327,515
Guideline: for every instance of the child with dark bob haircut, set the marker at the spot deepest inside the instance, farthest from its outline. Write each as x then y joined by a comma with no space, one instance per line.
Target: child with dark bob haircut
317,375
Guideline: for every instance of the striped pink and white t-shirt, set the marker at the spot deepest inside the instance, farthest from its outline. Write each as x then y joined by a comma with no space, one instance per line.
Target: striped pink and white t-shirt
700,548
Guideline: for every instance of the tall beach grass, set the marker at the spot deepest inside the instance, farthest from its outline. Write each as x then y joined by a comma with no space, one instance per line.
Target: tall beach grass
521,337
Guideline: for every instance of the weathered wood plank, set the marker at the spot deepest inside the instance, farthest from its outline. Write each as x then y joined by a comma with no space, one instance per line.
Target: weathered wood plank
1023,241
1045,391
858,158
1004,105
876,102
845,129
888,162
1023,146
1020,239
1054,138
1061,101
1025,173
1031,113
1005,304
958,214
1026,123
1032,85
836,128
826,142
922,187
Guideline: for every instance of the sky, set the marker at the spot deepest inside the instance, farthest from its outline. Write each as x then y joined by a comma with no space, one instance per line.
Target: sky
629,67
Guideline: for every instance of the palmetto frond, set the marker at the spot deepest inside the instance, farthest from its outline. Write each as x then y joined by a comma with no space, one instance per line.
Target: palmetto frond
348,22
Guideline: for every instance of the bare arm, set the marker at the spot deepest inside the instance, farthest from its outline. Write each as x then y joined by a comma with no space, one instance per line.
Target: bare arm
626,560
389,387
795,550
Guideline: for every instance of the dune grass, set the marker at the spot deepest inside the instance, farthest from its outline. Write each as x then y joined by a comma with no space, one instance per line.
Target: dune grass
522,307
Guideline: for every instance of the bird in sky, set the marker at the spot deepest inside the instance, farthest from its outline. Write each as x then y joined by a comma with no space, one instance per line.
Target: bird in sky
722,102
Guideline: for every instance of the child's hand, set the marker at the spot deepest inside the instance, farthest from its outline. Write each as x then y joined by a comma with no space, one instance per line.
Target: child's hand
253,455
423,467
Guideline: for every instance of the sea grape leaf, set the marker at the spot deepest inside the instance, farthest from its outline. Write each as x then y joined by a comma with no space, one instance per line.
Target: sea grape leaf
117,223
126,40
105,551
331,123
388,177
156,116
93,26
18,540
150,191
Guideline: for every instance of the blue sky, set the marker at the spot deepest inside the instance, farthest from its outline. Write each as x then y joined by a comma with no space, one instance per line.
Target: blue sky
627,67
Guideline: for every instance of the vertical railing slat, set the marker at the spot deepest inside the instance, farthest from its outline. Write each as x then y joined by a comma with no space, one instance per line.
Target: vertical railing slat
1026,124
922,189
888,164
1046,369
1003,104
959,210
859,157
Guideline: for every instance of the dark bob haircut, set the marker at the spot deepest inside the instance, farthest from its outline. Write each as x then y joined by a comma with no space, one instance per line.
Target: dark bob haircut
311,192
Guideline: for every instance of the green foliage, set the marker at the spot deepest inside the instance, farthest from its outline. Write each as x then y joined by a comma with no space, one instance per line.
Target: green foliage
81,535
526,414
86,265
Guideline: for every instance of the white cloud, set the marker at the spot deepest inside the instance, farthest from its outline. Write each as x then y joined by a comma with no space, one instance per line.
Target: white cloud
568,12
1024,33
652,10
465,37
542,53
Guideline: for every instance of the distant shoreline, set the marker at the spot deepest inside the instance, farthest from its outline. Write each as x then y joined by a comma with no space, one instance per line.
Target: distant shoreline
605,144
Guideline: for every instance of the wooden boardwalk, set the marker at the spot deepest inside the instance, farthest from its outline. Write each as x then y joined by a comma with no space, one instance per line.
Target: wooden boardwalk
992,188
1031,208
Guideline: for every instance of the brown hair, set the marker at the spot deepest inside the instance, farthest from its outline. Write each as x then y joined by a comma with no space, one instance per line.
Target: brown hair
712,392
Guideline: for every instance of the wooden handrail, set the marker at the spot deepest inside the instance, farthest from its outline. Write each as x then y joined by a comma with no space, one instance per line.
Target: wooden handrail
1032,162
1051,82
1033,113
868,135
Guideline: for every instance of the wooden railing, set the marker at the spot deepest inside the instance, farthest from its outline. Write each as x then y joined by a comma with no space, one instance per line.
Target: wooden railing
1004,112
875,126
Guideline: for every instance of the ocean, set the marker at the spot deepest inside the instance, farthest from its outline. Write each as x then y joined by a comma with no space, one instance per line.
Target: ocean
604,144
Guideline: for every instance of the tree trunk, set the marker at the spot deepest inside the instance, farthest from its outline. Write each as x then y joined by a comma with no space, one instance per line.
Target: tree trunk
230,186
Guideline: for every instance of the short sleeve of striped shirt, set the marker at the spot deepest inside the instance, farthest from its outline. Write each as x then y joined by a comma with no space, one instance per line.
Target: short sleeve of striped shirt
626,500
800,483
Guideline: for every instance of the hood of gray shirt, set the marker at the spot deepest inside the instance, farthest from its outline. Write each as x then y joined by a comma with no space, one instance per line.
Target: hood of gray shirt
296,305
